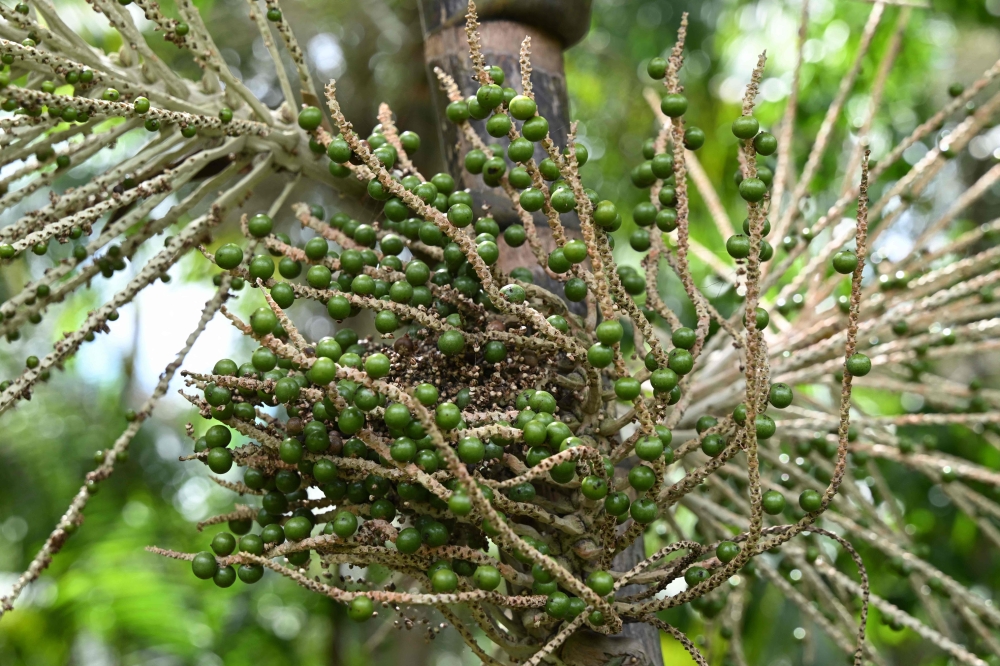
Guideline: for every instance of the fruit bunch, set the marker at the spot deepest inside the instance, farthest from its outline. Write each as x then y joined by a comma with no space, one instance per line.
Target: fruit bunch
464,426
512,439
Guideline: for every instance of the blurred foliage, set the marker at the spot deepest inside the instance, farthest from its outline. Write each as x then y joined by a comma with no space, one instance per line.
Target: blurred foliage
106,601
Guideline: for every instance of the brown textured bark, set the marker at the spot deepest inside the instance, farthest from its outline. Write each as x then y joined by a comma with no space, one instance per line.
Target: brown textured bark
567,20
586,648
645,636
637,644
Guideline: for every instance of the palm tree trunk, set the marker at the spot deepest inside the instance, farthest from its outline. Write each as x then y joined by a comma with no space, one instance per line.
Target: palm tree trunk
553,26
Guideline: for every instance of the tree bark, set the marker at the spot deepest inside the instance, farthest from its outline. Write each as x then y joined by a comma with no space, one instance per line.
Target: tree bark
637,645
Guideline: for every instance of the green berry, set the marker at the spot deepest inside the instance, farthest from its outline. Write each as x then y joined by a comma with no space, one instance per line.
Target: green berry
489,96
408,541
663,380
644,510
727,551
495,351
680,361
738,246
522,107
845,262
218,436
605,214
286,390
761,318
298,528
765,426
386,155
457,112
666,220
224,577
600,356
204,565
345,524
460,215
535,129
557,604
627,388
662,165
773,502
713,445
594,487
694,138
649,448
810,500
641,478
451,343
290,450
674,105
532,200
684,338
228,256
657,67
487,577
360,609
448,415
323,371
859,365
220,460
616,504
695,575
780,395
475,161
250,573
745,127
261,267
488,252
377,366
260,225
576,290
426,394
470,450
765,143
386,322
410,141
601,582
403,450
310,118
752,189
283,295
542,402
460,504
251,543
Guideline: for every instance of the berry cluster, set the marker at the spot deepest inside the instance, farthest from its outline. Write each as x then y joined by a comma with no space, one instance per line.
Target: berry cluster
509,445
477,413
